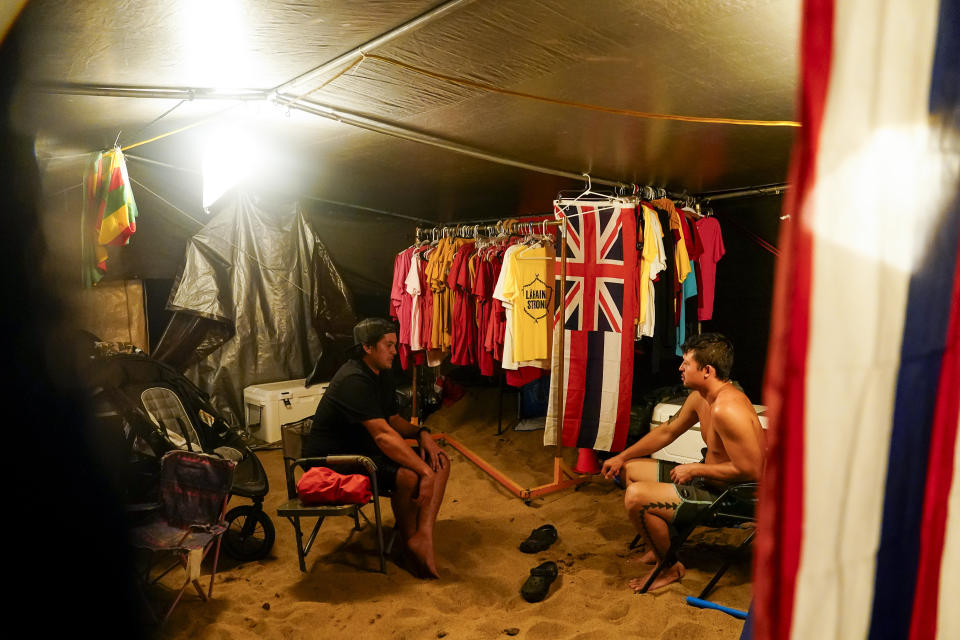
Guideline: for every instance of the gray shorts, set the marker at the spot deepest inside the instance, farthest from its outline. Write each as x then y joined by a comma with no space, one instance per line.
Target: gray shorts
694,497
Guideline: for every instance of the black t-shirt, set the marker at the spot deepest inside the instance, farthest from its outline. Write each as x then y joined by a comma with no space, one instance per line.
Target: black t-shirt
355,394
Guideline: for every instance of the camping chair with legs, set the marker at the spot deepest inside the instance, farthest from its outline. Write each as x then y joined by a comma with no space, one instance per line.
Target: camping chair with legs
189,520
734,508
293,436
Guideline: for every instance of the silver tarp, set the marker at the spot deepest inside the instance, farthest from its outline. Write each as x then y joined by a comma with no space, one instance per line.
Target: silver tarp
259,297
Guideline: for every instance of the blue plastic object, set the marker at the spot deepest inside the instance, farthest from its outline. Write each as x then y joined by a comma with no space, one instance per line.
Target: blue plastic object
706,604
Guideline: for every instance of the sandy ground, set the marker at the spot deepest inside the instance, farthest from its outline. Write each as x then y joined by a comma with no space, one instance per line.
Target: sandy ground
478,595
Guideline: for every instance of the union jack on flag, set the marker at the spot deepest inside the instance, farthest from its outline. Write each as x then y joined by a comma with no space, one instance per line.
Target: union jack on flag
595,271
597,353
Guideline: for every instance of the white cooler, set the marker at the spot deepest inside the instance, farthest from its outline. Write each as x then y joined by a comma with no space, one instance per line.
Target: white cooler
272,404
687,447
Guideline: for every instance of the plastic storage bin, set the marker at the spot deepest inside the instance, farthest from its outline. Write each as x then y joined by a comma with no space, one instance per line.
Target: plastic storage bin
272,404
687,447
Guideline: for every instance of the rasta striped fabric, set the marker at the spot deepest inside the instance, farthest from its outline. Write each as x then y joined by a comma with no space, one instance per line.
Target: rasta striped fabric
859,517
109,211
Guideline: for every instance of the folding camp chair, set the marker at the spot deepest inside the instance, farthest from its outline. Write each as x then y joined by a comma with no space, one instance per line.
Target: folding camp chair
293,436
734,508
188,522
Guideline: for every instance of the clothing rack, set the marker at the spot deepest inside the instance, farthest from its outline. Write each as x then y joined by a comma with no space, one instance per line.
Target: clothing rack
510,226
563,476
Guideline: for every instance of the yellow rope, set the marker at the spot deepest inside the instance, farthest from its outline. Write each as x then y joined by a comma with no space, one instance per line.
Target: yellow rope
181,129
581,105
163,135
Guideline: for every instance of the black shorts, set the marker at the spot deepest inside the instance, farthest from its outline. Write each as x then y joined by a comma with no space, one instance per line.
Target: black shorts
694,497
386,473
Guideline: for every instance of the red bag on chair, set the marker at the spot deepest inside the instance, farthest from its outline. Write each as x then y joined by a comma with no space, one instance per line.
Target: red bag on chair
322,485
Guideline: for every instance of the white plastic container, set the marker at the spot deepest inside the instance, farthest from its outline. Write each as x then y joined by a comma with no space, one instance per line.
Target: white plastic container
687,447
273,404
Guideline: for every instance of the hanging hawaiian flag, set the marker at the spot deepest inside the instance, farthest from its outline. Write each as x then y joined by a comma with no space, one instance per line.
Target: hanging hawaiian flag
109,211
597,316
859,518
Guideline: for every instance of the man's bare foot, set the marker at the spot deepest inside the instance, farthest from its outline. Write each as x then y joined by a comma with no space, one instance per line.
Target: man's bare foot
667,576
422,548
648,558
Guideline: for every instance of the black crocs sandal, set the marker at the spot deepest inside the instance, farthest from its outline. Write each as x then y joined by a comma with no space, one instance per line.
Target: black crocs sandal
539,539
538,584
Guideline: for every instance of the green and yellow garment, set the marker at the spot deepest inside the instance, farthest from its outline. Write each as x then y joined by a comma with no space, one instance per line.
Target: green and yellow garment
109,211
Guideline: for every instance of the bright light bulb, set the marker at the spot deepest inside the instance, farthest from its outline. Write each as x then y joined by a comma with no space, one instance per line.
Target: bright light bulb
228,159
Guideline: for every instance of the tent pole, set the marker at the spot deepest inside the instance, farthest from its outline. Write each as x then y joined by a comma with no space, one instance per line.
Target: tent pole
324,111
765,190
408,26
390,129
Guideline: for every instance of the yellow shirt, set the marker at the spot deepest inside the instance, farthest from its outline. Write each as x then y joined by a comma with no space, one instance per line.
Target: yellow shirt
530,289
438,286
651,259
680,256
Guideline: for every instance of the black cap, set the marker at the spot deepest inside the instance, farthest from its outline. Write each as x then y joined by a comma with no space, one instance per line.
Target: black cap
369,331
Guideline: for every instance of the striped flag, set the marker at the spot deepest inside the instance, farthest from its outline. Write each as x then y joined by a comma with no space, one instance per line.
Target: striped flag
109,211
598,348
859,519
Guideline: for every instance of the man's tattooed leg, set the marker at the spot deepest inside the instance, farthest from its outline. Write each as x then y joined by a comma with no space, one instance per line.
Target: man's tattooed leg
643,522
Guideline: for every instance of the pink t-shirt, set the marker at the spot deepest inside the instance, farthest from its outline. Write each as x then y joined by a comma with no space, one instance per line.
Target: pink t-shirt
396,289
463,322
412,287
400,298
712,241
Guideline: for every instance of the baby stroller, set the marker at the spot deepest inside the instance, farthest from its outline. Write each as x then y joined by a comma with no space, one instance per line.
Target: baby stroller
146,408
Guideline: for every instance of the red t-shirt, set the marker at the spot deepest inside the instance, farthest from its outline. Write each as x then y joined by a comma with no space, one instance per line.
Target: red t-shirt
713,250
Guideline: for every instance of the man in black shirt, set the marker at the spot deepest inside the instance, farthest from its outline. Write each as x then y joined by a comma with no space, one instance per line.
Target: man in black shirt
358,415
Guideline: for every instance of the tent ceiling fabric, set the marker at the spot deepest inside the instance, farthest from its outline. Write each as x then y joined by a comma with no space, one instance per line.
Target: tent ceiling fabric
730,58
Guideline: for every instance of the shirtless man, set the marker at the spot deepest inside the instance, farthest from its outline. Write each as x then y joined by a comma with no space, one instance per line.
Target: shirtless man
658,492
358,414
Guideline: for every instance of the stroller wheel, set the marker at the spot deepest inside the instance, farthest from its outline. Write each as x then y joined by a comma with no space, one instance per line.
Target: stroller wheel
250,534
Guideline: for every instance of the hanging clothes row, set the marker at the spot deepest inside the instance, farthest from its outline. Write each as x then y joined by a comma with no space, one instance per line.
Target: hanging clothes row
676,279
479,295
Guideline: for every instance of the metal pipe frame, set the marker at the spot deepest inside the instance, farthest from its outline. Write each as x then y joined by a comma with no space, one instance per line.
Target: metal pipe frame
278,95
318,109
387,128
160,93
406,27
563,476
766,190
560,469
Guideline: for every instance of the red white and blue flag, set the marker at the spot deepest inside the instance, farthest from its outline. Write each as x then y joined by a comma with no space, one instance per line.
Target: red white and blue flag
597,315
859,518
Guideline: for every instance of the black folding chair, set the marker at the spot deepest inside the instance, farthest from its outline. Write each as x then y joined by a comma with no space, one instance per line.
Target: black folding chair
734,508
293,436
189,520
